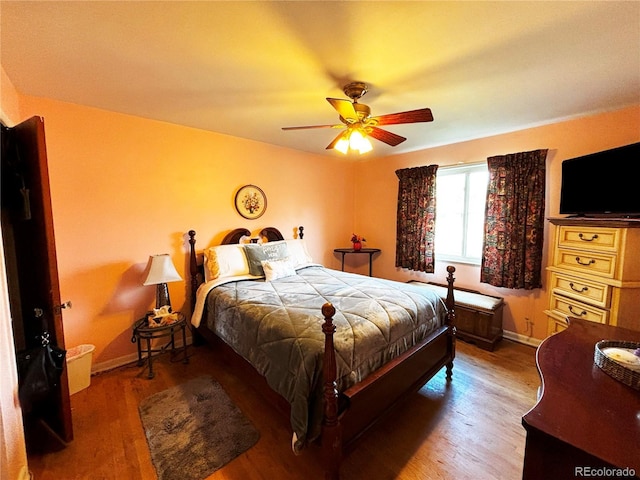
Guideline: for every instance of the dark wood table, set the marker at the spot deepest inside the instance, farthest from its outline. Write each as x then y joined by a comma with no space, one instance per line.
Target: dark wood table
369,251
585,421
142,331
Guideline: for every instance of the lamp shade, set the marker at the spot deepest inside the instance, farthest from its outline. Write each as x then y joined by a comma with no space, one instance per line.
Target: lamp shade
161,270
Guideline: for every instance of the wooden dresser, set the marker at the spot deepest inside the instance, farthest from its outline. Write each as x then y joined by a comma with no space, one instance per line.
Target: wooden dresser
585,421
594,272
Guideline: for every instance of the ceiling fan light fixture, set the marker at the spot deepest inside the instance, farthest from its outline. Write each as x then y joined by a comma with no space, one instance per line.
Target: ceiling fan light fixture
342,145
365,146
352,139
359,142
361,126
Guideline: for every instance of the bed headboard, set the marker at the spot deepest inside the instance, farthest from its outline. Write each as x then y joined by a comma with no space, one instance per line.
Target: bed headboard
196,260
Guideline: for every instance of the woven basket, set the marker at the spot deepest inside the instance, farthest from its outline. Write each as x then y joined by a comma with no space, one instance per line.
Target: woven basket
613,368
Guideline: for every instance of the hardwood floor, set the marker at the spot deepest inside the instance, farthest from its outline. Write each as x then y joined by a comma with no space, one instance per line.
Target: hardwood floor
468,429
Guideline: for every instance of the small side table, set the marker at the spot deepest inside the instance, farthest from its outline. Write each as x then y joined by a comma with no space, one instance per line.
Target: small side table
142,331
370,251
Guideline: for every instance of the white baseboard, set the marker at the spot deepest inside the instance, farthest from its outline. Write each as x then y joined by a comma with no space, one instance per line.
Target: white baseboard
126,359
517,337
113,363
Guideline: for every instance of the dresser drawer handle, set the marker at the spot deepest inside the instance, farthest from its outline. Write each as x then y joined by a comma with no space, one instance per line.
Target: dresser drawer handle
580,262
579,314
579,290
593,237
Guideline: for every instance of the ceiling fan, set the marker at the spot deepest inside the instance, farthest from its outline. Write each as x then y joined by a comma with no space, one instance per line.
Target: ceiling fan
359,123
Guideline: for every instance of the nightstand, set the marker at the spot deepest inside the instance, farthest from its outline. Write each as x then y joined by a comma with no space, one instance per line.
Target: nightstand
143,332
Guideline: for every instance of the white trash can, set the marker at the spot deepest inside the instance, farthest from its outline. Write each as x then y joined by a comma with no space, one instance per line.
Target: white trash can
79,367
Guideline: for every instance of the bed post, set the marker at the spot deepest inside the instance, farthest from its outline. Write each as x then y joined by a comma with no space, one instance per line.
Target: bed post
193,267
449,302
451,318
197,337
331,429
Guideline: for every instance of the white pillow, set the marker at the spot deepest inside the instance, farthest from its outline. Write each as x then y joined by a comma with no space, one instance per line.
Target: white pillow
275,269
225,261
298,253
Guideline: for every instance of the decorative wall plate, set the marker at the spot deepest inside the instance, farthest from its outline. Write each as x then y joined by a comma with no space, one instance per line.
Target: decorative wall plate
251,202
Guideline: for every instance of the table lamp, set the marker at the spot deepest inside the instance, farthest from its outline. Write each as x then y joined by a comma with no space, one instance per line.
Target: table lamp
161,271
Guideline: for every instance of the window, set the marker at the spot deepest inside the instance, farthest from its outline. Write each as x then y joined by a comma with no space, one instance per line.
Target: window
460,200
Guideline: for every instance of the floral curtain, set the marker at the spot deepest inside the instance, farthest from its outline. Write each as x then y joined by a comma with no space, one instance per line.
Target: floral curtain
416,218
514,221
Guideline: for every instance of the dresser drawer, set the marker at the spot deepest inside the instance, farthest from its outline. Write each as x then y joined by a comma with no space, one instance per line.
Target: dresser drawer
574,308
556,325
593,293
581,261
599,239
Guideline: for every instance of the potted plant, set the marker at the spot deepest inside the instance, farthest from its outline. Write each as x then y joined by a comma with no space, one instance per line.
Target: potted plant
357,241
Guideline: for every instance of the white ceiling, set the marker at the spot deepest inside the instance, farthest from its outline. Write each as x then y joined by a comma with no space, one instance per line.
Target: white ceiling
249,68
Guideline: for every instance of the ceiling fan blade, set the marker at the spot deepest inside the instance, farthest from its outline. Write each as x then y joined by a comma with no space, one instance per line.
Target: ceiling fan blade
344,108
336,140
313,126
386,136
412,116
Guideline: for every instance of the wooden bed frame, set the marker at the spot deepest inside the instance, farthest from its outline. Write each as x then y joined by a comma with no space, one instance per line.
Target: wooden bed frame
347,415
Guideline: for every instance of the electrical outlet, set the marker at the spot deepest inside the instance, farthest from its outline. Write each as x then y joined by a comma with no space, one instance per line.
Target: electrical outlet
529,324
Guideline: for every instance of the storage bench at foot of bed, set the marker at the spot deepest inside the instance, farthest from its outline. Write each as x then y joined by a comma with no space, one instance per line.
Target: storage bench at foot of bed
478,316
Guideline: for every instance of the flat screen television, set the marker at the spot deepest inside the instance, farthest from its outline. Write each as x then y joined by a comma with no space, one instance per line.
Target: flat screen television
602,184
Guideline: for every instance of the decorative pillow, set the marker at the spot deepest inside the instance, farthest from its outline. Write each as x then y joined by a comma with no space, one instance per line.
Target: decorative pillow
256,253
225,261
298,252
275,269
211,269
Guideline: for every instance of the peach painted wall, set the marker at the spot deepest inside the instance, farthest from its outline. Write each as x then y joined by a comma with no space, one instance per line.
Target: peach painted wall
376,179
9,103
124,188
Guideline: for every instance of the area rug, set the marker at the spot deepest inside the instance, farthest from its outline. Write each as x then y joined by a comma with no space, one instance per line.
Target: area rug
194,429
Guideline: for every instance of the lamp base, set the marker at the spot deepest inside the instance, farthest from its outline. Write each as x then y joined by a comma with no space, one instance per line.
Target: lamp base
162,296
